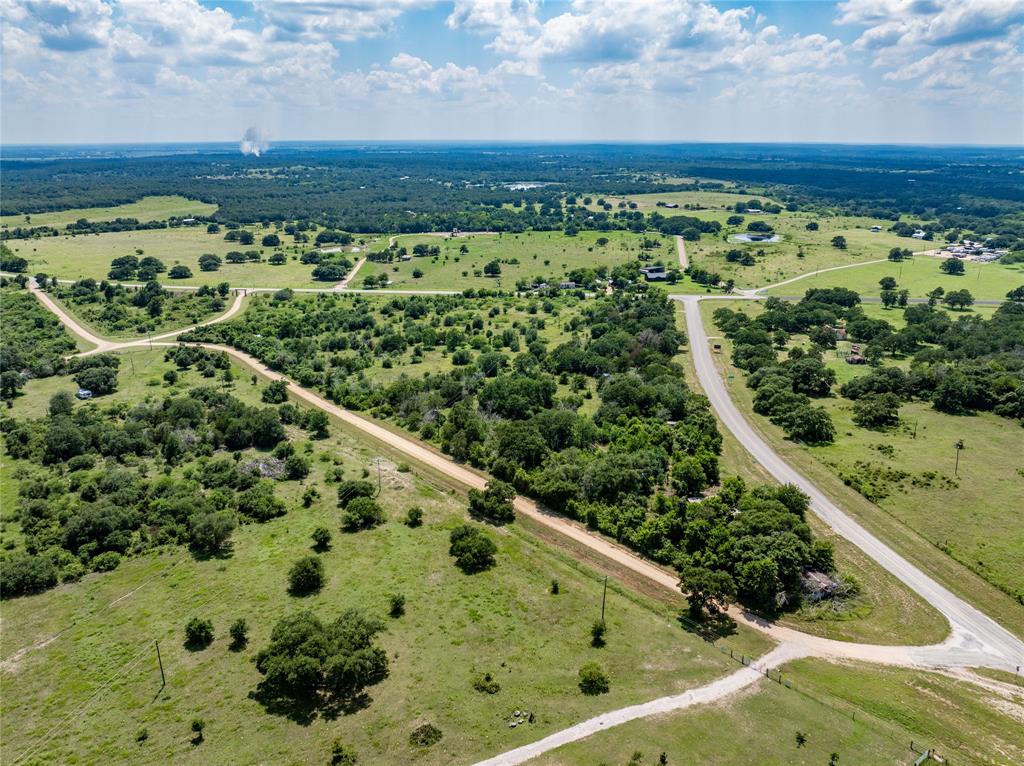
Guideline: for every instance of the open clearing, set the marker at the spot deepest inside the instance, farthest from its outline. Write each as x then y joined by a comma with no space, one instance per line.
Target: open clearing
984,496
648,203
544,255
503,621
920,275
89,255
144,210
864,713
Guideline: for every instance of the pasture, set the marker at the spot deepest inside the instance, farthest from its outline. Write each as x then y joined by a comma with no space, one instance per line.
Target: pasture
144,210
542,255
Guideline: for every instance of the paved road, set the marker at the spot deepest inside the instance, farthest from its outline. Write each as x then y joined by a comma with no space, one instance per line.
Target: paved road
702,695
972,632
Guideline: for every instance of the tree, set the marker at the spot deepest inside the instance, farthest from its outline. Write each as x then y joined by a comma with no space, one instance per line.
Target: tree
342,754
277,259
887,283
310,661
494,503
361,513
877,410
306,576
958,299
210,531
952,266
708,591
812,226
316,423
270,240
1016,295
198,633
889,298
472,548
492,268
239,632
179,272
593,679
100,380
811,425
22,573
839,242
208,262
275,393
61,403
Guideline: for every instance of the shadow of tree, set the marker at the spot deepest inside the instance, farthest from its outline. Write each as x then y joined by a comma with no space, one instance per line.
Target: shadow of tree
304,710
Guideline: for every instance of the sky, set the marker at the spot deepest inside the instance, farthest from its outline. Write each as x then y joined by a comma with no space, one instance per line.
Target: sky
858,71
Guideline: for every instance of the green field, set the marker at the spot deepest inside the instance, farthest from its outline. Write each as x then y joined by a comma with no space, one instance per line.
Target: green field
544,255
982,498
145,210
648,203
920,275
503,621
89,255
865,714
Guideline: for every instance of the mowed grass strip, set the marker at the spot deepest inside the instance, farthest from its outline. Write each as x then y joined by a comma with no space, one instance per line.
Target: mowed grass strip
865,714
504,621
155,208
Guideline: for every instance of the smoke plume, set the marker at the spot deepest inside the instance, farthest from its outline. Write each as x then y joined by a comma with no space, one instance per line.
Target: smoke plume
253,142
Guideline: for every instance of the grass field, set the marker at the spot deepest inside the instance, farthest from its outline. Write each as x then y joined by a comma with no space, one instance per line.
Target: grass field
920,275
545,255
981,499
648,203
180,309
89,255
503,621
145,210
865,714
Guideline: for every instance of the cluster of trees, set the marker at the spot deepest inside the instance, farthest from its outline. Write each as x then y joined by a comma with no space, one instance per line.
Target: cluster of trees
115,308
510,402
128,267
33,343
83,503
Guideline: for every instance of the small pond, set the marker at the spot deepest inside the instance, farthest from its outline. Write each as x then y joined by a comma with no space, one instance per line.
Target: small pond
755,237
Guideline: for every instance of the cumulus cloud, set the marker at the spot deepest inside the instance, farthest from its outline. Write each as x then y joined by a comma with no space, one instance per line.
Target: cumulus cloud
342,20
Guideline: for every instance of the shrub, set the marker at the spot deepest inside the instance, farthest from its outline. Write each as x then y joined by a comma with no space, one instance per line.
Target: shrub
142,734
342,754
276,392
472,548
306,576
494,503
239,632
593,679
485,684
554,587
179,272
361,513
321,538
597,631
414,517
425,735
198,633
21,573
107,561
198,724
397,605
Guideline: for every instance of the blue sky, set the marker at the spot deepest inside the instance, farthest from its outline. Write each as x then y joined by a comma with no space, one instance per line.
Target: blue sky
872,71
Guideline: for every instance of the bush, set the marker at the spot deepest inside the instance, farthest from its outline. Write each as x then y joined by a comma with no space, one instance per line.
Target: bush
21,573
414,517
494,503
597,631
276,392
306,576
321,538
350,490
425,735
198,633
179,272
485,684
198,724
472,548
342,754
554,587
361,513
107,561
397,605
239,632
593,679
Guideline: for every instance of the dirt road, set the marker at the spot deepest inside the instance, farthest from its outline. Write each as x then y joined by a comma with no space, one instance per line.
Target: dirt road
681,247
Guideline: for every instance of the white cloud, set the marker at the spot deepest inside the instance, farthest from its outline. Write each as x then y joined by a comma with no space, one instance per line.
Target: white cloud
413,76
333,20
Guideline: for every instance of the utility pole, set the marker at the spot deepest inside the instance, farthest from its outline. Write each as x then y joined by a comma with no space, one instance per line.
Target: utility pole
959,444
604,598
376,461
163,679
